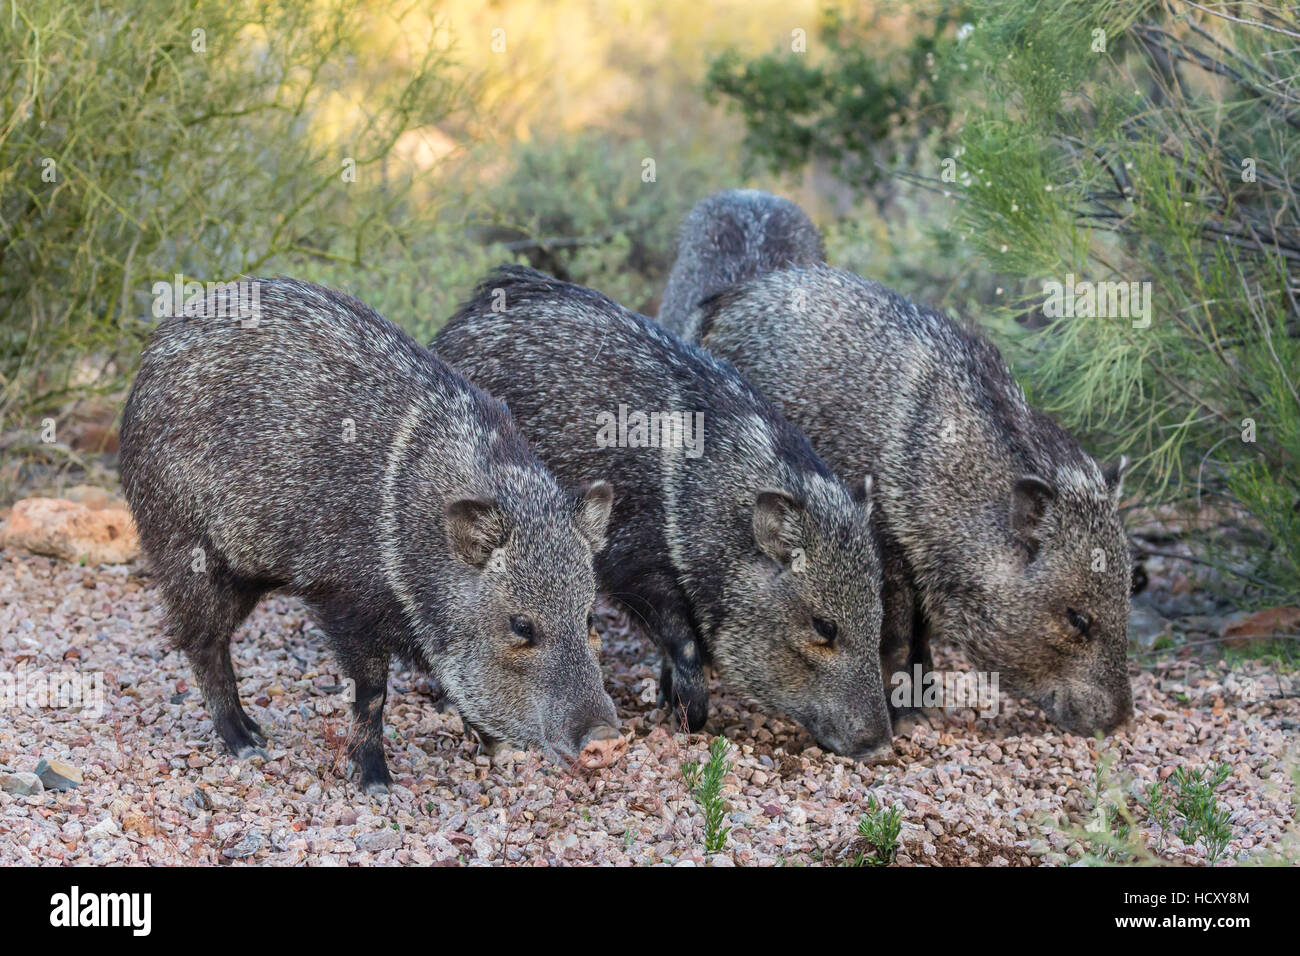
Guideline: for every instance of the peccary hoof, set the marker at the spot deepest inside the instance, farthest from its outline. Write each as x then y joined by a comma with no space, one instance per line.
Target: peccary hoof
374,774
242,735
689,715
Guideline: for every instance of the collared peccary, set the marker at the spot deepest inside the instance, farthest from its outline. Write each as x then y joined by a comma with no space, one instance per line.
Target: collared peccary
728,237
1004,534
730,540
320,450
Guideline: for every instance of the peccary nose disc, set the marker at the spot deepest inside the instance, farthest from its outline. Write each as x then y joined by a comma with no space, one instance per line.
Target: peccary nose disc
601,747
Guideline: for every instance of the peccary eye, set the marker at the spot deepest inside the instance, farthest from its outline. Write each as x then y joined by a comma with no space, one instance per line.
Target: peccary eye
591,621
826,629
1080,622
523,629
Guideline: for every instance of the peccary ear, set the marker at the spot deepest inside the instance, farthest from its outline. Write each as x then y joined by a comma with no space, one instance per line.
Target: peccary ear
1029,499
475,528
597,501
776,525
1114,476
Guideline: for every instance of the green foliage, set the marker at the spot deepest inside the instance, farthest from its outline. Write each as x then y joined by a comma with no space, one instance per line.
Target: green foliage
705,785
854,103
581,208
1202,817
1117,164
1159,810
147,138
880,828
1184,804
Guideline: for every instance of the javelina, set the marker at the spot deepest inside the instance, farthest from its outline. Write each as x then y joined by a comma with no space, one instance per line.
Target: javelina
1007,530
320,450
728,237
742,549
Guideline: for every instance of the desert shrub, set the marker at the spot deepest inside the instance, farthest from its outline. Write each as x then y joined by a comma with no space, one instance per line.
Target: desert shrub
584,208
860,99
147,138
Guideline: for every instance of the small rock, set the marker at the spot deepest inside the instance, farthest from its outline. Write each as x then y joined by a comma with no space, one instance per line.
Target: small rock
1275,620
250,844
21,784
57,775
378,840
102,830
1145,625
137,822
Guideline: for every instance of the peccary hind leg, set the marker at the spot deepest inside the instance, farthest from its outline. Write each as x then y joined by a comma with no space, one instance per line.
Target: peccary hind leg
204,615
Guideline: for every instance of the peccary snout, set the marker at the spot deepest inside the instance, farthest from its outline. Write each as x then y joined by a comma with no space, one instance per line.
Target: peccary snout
1084,711
600,746
863,732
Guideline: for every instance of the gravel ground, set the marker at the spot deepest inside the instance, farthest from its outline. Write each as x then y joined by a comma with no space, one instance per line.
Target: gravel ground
157,788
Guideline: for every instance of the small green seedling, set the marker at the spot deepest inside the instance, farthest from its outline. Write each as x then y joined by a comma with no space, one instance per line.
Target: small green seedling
880,827
705,785
1203,818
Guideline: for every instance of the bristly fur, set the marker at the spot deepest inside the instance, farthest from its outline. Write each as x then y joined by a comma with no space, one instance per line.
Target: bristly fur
324,452
728,237
728,556
1007,529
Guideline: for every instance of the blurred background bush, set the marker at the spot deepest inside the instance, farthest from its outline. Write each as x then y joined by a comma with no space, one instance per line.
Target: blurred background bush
964,153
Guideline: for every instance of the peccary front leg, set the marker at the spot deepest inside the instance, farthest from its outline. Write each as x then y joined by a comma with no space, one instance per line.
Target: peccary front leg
371,676
364,659
904,634
918,655
683,682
